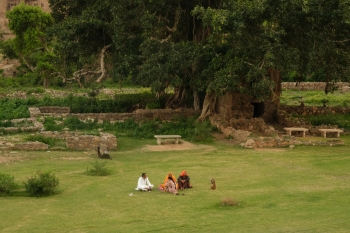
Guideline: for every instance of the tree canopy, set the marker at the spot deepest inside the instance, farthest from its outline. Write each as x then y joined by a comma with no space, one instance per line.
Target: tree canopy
31,43
202,48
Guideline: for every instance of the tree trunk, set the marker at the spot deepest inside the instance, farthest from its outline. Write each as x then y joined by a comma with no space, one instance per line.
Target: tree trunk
276,92
176,99
208,105
196,102
46,83
102,62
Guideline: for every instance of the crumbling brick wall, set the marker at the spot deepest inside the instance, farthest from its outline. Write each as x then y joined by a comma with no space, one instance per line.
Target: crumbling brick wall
89,142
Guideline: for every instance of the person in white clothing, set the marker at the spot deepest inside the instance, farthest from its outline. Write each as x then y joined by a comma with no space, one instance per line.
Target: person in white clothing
144,184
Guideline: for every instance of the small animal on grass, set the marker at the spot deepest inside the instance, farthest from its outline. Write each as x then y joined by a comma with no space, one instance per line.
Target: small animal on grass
213,184
105,154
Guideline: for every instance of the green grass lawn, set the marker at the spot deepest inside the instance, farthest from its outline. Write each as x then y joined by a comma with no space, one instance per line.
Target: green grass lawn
315,98
305,189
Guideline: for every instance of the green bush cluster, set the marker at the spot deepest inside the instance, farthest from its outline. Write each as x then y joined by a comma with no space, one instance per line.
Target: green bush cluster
41,184
6,123
40,138
18,108
73,123
7,184
50,124
80,104
14,108
98,169
186,127
342,121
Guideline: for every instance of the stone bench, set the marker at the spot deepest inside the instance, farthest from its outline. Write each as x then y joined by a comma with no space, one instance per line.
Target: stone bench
292,129
161,137
325,131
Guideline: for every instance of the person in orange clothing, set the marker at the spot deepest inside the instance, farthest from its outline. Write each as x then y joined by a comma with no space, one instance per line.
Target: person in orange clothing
170,185
183,181
170,176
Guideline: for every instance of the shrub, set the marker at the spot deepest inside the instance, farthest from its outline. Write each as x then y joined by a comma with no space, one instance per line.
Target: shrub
342,121
202,131
51,125
73,123
13,109
98,169
40,138
6,123
153,105
7,184
41,184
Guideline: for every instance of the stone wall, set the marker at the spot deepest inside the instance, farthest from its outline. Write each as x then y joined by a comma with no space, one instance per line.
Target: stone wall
54,109
89,142
344,86
286,141
79,141
241,129
139,115
313,110
236,105
30,146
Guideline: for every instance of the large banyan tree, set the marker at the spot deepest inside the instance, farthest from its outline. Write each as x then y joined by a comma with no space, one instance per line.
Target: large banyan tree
203,48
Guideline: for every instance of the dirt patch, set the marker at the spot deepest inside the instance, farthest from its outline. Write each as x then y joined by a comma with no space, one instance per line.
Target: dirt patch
170,145
227,141
10,157
271,149
73,158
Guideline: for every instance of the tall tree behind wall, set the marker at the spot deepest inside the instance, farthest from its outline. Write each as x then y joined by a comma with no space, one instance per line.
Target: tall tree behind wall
207,48
31,43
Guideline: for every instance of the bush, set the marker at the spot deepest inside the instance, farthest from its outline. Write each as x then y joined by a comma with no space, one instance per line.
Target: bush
342,121
202,131
98,169
42,184
40,138
51,125
7,184
6,123
13,109
73,123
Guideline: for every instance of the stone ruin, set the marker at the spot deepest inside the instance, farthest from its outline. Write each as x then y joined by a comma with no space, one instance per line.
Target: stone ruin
237,116
245,120
77,140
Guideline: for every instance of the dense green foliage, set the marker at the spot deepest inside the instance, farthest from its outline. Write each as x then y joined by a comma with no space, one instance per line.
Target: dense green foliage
342,121
201,49
18,108
52,142
208,46
6,123
15,108
7,184
31,44
315,98
42,184
188,128
98,169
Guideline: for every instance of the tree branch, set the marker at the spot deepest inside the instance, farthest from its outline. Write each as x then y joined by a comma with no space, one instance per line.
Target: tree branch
102,62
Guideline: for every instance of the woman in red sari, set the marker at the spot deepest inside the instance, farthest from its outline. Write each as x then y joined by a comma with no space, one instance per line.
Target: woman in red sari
183,181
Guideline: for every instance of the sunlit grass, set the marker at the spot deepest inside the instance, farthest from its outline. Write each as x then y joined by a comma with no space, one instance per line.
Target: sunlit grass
315,98
304,189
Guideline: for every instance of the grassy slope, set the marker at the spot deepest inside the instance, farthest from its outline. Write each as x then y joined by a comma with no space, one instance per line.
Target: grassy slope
280,190
315,98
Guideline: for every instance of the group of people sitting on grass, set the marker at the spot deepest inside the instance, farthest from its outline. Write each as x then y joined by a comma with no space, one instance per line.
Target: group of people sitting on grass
171,184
